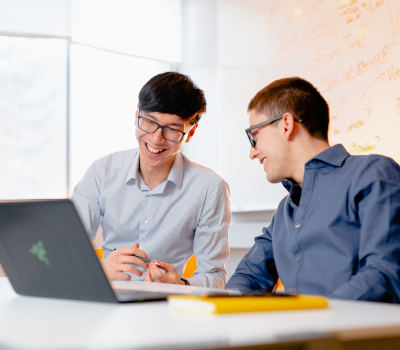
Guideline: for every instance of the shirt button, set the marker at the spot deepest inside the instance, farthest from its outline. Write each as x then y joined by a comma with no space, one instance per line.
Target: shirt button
298,259
146,221
297,225
140,247
291,290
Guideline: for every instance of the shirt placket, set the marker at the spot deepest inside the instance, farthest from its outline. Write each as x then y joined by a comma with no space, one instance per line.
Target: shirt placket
298,225
145,221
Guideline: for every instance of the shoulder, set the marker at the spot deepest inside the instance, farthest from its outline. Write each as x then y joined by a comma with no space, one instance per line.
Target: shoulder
374,164
372,173
201,174
121,159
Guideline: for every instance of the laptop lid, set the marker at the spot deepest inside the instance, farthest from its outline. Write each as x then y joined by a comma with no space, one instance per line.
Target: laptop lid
45,252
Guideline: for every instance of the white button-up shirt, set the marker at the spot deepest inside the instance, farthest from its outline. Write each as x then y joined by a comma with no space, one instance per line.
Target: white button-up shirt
187,214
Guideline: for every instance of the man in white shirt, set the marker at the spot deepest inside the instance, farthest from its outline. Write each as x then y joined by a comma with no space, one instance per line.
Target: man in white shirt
155,203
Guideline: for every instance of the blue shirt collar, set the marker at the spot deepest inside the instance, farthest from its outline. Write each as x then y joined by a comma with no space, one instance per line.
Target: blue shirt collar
335,156
175,175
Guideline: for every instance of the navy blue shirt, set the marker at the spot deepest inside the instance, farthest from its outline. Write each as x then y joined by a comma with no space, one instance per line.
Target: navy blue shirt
341,240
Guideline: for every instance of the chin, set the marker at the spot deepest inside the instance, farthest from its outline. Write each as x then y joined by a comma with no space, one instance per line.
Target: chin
272,179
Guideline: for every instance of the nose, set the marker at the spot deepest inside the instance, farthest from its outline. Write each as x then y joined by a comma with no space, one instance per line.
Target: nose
253,153
157,136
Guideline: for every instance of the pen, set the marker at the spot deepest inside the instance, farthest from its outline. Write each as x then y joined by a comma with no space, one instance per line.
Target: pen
144,259
139,257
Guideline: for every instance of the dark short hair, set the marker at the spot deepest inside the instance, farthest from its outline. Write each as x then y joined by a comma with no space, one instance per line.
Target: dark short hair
298,97
173,93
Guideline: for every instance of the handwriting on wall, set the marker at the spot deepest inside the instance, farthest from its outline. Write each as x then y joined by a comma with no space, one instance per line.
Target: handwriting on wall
350,50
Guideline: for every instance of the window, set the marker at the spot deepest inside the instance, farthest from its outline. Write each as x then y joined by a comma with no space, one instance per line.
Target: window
104,95
33,110
70,74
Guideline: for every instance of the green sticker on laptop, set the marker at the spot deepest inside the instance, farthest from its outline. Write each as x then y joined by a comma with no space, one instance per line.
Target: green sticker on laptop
39,251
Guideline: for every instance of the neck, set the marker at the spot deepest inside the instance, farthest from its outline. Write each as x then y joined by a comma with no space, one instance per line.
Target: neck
304,154
154,176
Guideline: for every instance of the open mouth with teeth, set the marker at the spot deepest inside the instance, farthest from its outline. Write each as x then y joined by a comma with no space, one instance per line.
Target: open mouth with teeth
154,150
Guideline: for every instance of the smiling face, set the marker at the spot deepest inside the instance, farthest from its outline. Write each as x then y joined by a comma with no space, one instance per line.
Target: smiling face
270,147
156,152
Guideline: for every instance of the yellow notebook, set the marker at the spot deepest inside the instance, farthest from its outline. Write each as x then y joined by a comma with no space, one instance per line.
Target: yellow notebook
245,303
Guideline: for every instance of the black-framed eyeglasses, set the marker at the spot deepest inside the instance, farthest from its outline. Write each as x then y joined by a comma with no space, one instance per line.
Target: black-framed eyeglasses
269,121
171,134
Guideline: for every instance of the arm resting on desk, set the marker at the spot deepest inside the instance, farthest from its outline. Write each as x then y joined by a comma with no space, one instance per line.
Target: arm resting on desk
256,272
210,244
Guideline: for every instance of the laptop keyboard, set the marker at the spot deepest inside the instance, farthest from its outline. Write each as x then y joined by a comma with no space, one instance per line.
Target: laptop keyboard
126,295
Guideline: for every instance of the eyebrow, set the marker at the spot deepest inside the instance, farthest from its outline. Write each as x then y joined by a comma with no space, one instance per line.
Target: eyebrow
149,115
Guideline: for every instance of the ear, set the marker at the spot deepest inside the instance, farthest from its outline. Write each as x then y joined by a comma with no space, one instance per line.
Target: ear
191,132
136,114
288,126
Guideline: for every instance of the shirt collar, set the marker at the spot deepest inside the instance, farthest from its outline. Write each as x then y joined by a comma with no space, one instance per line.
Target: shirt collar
335,155
176,172
175,175
133,173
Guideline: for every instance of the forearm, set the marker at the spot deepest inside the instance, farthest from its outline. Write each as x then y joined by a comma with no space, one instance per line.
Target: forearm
257,271
209,279
248,280
210,245
369,284
247,284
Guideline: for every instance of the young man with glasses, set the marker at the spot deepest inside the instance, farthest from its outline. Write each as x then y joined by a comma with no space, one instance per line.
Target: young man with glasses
337,233
152,202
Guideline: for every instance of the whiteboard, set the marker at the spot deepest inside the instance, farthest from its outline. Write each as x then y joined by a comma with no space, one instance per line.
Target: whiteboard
348,49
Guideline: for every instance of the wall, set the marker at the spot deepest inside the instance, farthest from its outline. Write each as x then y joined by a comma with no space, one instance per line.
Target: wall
349,49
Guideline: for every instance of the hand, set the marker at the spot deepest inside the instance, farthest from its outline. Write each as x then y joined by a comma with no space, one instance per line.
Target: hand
121,261
154,273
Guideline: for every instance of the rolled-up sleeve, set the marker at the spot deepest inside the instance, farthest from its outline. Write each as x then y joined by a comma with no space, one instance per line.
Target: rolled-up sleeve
211,246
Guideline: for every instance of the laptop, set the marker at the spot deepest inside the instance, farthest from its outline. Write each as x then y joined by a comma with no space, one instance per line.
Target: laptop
45,252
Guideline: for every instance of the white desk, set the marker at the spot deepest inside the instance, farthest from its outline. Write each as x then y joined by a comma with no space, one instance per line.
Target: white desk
36,323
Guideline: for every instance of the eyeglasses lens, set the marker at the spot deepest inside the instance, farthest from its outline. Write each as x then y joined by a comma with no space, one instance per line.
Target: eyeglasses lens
150,127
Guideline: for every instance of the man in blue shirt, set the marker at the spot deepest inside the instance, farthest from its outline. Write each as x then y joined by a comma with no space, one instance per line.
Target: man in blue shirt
154,202
337,233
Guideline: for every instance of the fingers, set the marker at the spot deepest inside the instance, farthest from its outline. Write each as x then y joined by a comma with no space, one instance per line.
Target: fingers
131,251
120,262
117,269
156,274
166,267
147,276
170,276
126,259
121,276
